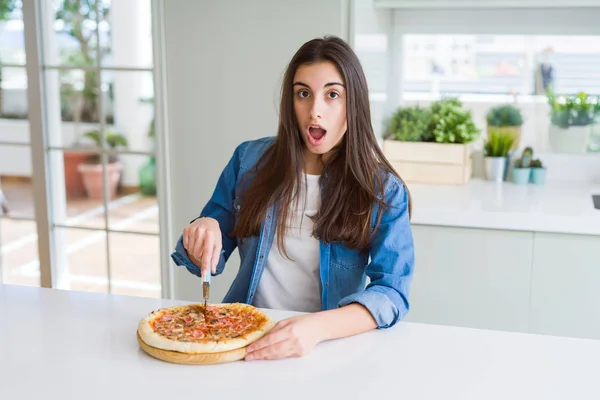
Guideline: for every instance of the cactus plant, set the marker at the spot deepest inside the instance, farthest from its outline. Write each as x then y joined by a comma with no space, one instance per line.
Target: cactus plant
536,164
525,160
538,172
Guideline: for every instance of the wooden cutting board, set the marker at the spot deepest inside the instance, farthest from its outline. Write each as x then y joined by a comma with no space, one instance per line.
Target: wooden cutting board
192,359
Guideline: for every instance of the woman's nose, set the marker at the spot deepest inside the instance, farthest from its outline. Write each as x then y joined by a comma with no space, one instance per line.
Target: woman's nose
315,110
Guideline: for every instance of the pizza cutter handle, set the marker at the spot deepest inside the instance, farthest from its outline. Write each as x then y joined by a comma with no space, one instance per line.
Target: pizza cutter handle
206,287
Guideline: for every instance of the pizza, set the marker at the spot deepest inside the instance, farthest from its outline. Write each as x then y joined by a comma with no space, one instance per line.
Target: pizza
185,329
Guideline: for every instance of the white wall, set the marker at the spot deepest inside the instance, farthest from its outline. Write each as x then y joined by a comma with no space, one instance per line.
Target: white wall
224,70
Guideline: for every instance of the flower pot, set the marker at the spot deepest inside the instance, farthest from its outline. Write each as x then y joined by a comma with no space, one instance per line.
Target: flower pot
496,168
430,162
93,180
521,176
538,176
574,139
73,181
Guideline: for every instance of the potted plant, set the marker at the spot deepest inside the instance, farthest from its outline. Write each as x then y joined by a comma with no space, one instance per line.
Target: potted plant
91,169
572,118
496,148
410,124
505,118
521,173
432,145
538,172
147,172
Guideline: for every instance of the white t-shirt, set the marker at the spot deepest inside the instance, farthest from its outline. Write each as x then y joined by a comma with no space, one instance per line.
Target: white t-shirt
294,285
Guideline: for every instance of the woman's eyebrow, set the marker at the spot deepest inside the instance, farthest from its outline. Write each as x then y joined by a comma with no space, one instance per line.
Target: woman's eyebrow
326,85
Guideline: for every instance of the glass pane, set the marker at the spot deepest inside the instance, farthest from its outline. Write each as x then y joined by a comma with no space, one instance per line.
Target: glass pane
14,126
574,63
12,38
501,64
76,189
78,99
19,263
130,108
126,34
135,264
136,208
83,263
72,108
16,189
72,97
71,35
465,63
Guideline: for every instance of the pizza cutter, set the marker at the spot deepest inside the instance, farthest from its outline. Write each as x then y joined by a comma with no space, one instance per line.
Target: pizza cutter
205,290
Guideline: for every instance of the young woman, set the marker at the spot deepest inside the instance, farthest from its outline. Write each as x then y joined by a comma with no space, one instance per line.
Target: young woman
313,212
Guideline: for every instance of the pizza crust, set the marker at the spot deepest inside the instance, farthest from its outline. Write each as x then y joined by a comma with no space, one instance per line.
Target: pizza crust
150,337
193,359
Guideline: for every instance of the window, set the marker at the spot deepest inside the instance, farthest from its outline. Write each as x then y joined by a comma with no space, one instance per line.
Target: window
100,215
501,64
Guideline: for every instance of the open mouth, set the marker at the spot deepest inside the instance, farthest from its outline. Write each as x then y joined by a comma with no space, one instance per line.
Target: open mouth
316,134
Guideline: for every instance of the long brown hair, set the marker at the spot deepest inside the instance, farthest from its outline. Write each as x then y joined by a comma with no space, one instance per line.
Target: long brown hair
354,171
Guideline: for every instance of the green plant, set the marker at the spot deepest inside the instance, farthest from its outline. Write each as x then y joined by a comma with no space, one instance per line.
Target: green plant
504,115
498,144
410,124
536,164
525,160
573,110
76,17
113,140
6,8
450,123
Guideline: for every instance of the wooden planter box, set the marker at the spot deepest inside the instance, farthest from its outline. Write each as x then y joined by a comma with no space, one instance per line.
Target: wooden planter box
425,162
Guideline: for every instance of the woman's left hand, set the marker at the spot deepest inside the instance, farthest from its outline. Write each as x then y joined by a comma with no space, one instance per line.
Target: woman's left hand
292,337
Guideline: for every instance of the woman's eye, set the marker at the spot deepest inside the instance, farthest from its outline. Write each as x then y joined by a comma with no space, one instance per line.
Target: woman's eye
303,94
333,95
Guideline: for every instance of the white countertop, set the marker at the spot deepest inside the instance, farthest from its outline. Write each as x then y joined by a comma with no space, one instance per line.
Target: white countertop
562,207
71,345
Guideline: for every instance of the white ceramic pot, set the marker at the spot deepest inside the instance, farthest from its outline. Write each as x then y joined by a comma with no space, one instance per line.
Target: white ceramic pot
496,168
574,139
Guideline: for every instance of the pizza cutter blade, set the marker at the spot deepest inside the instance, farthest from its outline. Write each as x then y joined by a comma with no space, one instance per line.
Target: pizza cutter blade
205,290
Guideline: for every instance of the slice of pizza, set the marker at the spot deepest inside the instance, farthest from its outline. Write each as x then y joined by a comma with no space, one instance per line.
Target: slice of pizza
185,328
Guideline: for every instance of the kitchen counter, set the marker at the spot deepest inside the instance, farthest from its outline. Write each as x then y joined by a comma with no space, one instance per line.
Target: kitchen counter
559,207
72,345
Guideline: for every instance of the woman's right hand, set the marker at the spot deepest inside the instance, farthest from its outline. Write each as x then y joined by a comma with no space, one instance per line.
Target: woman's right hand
202,241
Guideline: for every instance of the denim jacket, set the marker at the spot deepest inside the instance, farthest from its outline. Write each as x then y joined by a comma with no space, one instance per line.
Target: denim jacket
388,264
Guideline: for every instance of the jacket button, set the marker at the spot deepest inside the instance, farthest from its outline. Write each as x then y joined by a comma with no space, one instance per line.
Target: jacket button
238,207
261,256
327,284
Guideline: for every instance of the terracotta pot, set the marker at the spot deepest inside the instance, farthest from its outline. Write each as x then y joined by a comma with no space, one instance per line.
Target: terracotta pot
73,181
92,179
